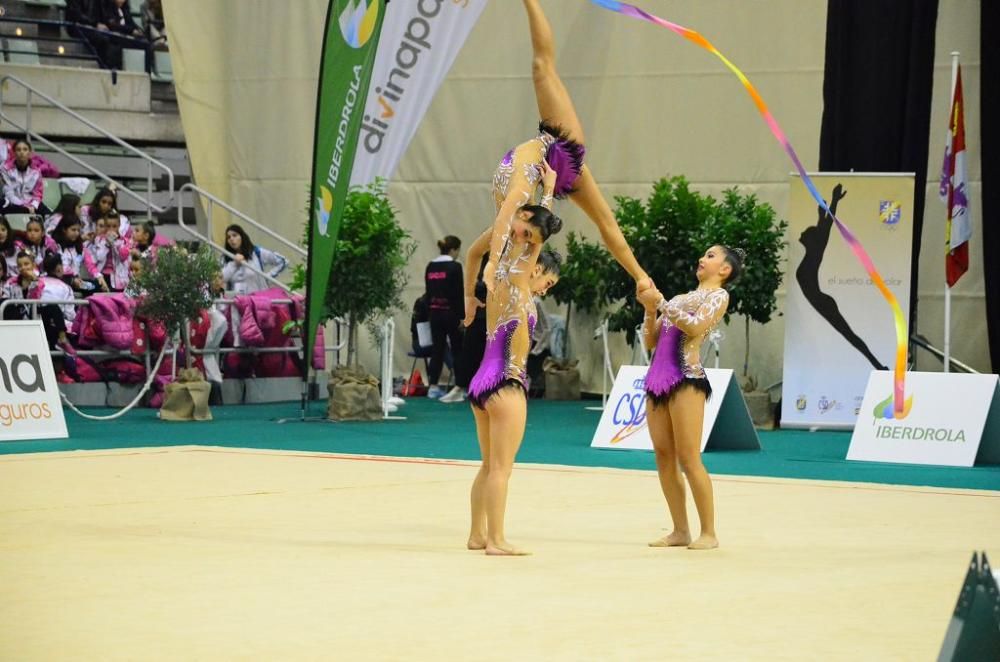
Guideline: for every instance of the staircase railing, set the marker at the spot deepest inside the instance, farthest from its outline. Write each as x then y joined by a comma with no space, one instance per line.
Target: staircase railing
8,82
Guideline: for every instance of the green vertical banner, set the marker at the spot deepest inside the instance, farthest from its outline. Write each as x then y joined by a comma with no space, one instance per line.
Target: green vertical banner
349,46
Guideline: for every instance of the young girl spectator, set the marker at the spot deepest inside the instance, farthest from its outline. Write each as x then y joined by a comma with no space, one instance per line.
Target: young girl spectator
145,242
104,204
70,251
68,207
106,256
21,285
22,183
236,272
8,249
36,243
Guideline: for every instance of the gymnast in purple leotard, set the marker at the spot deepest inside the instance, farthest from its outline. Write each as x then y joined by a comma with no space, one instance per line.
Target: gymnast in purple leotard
677,387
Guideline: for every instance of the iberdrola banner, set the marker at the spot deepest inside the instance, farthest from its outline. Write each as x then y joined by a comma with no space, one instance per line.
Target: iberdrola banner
350,43
383,62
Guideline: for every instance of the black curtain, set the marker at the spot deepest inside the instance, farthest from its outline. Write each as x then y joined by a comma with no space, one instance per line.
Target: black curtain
877,95
990,107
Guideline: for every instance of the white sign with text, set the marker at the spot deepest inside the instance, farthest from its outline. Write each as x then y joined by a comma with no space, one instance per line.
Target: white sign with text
30,407
950,420
623,423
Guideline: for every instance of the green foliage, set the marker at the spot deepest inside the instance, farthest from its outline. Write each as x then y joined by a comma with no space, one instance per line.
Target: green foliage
174,287
668,233
583,277
368,273
744,222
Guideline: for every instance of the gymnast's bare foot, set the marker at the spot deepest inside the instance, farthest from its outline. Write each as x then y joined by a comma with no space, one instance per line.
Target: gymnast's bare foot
675,539
476,542
504,549
705,541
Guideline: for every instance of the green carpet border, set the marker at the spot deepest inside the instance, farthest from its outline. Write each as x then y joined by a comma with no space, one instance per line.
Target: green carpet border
557,433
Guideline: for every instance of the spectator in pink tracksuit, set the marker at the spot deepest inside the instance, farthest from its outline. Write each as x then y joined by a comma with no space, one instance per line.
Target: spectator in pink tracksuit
69,206
105,203
8,247
106,256
71,254
145,241
22,183
36,243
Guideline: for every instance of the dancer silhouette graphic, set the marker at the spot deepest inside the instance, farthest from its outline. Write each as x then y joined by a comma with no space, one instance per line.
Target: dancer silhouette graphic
815,239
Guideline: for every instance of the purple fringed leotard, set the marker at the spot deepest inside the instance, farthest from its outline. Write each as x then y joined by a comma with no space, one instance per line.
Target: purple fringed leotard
510,310
684,323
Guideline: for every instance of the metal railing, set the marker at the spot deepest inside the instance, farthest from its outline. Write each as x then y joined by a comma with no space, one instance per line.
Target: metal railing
214,201
8,81
294,348
924,344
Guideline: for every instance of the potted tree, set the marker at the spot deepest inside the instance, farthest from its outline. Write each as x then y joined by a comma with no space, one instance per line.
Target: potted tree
172,288
744,221
670,231
367,277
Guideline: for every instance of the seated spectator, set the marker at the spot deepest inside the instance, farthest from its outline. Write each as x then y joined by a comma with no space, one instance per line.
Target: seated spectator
105,203
82,12
152,19
116,18
52,287
145,241
106,255
22,183
70,251
68,207
8,248
21,285
236,271
39,163
36,243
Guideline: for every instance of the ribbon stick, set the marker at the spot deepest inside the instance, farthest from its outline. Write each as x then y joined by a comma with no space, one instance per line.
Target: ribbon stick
901,404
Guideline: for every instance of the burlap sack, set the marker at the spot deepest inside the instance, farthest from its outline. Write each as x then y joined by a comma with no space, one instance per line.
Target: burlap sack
187,398
562,379
354,396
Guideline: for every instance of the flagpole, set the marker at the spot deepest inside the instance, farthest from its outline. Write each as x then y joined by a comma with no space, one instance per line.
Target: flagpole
947,288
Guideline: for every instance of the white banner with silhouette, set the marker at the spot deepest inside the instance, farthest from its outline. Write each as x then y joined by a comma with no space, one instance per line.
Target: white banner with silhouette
838,327
30,407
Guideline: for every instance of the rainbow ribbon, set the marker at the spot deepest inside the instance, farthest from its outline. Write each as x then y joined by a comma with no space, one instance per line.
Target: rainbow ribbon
901,404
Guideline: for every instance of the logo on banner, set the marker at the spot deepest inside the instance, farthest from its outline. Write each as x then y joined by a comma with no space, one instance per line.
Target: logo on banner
886,411
389,94
357,22
324,204
629,414
890,212
22,374
825,405
801,402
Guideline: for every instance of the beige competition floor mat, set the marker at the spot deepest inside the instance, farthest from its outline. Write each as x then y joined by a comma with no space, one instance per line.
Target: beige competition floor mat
198,553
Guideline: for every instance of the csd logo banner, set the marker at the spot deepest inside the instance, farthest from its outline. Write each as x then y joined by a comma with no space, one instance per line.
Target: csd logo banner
624,424
29,395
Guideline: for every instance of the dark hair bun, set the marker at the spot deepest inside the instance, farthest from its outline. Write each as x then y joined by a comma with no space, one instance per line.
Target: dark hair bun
555,225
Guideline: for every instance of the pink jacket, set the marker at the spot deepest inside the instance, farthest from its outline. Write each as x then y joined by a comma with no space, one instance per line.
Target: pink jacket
25,188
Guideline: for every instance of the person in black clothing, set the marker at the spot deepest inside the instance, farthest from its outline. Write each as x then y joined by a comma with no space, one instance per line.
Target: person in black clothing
444,284
115,18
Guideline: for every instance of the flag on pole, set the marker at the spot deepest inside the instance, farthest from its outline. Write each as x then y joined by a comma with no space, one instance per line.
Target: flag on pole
350,42
954,191
366,117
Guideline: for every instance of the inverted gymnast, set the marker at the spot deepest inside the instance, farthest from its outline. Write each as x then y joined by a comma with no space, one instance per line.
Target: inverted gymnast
560,141
554,158
677,388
